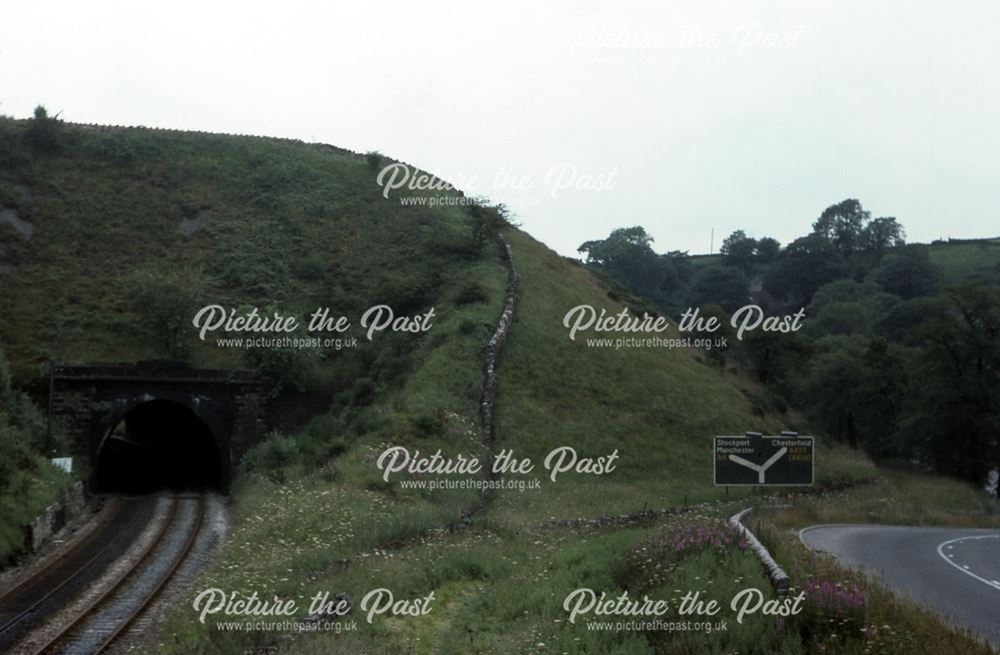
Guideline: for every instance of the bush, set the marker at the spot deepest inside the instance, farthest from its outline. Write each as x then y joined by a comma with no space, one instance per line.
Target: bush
285,368
471,293
718,285
18,455
487,221
325,437
27,482
374,159
429,423
165,302
908,273
45,133
272,454
18,411
364,391
331,472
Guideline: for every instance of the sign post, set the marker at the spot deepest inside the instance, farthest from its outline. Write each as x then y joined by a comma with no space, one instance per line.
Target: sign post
755,460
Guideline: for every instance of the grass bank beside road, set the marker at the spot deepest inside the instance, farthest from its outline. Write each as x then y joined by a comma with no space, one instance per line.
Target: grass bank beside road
896,497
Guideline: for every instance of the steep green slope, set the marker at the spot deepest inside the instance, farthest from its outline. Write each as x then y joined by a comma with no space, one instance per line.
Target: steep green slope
281,226
659,407
235,221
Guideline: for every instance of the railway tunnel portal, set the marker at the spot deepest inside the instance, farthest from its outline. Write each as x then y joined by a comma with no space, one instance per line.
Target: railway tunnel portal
155,425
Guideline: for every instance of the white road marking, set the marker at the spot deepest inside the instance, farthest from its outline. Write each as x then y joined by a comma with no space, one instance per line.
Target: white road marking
965,569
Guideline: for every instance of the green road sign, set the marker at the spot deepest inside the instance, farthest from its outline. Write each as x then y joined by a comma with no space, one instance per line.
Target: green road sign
763,460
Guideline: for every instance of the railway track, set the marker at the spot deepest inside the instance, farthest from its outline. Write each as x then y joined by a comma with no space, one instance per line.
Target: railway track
104,618
31,600
86,598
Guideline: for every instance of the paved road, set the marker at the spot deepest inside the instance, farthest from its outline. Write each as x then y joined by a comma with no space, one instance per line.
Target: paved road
954,571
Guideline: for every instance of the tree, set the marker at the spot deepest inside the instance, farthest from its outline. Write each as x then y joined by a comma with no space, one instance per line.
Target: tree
804,266
853,388
22,432
374,158
881,234
18,410
626,255
285,367
845,318
901,322
843,225
848,290
487,221
767,250
738,250
774,357
165,301
908,273
952,416
719,285
44,134
829,387
882,393
677,269
724,332
621,242
847,307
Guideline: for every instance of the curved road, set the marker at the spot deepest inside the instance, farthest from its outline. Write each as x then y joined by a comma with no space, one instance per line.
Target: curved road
953,571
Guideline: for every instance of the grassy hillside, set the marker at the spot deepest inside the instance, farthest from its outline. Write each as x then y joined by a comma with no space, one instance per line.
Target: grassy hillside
283,226
238,221
961,260
658,407
294,226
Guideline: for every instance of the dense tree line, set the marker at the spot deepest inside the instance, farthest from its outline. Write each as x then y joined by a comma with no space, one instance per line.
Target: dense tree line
891,359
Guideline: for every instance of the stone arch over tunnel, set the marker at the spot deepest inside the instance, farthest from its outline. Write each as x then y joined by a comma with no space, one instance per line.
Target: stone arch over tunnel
92,407
159,444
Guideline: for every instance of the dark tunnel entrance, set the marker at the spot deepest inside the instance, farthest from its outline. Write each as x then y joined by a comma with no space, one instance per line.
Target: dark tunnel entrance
159,445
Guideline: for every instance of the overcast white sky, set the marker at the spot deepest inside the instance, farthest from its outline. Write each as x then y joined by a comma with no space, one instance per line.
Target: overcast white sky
752,114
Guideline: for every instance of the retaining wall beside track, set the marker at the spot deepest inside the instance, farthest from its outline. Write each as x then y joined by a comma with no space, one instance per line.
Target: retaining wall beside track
54,517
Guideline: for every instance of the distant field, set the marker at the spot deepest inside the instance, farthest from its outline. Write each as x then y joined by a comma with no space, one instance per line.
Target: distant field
960,260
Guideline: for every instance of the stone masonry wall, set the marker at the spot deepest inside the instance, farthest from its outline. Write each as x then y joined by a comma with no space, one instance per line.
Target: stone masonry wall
54,517
496,343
